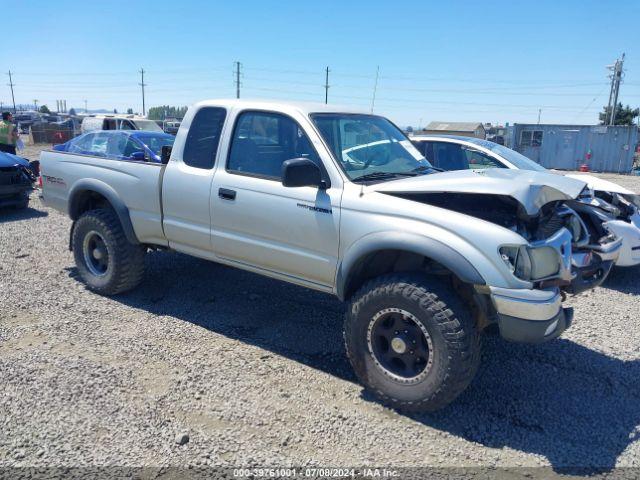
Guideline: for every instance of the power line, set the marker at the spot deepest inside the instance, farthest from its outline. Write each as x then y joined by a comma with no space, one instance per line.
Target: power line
399,101
237,80
13,98
326,86
616,78
589,104
142,84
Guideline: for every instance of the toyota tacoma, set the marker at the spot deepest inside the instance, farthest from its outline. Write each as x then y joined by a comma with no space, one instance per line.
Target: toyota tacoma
342,202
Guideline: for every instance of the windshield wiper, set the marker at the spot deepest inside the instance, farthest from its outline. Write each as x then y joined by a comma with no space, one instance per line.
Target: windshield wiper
424,168
384,175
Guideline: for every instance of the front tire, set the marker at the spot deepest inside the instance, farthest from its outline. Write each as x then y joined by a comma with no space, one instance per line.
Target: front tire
107,262
411,342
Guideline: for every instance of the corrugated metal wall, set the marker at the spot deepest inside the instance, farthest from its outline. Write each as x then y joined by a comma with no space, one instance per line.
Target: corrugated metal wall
565,147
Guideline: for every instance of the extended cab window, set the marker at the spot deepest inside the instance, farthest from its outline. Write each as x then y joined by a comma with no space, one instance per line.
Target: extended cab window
262,141
204,135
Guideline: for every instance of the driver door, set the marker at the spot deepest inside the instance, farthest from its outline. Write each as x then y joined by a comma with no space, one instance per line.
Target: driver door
256,221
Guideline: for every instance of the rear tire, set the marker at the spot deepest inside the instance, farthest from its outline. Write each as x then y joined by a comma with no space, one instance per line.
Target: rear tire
411,341
107,262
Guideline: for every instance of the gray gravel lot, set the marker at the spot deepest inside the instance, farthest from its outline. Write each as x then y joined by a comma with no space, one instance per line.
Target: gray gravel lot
253,371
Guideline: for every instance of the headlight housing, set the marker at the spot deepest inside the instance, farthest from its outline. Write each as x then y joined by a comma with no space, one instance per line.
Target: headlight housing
531,263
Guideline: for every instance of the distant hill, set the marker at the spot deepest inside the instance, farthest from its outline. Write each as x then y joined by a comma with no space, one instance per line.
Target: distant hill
99,110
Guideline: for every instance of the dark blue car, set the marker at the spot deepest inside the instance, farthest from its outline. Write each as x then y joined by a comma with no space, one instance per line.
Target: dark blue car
16,180
133,145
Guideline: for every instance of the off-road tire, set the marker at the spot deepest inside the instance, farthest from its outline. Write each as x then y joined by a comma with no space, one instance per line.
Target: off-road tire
125,268
454,337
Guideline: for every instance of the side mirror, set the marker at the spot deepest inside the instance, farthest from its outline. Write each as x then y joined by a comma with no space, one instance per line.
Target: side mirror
165,154
138,156
302,172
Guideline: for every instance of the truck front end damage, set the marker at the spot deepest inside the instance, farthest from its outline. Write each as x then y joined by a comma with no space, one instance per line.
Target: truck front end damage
560,258
613,213
559,254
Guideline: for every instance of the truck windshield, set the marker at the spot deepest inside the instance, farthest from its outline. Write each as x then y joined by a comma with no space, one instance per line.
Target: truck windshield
369,147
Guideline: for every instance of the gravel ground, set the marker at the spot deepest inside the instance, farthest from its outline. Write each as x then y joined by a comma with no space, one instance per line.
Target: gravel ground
208,365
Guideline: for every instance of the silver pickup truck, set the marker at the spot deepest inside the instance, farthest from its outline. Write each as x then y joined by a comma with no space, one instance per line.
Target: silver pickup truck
341,202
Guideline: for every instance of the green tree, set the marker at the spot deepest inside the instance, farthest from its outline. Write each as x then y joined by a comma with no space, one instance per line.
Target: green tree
624,115
166,111
129,111
72,112
44,109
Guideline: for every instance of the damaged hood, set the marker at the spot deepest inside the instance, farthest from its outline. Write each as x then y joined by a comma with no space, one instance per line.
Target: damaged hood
599,184
531,189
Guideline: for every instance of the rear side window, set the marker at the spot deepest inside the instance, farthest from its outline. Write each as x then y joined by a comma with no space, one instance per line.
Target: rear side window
204,135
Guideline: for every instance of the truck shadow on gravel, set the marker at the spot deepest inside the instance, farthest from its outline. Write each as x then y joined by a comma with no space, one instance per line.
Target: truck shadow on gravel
624,279
576,407
13,215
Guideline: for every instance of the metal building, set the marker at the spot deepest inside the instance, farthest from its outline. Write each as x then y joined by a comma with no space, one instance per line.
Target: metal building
566,147
466,129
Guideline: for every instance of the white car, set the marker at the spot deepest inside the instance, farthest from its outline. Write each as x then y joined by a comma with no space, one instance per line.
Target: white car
616,208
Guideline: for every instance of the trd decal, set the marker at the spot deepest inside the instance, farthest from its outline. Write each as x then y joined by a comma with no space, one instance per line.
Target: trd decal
59,181
313,208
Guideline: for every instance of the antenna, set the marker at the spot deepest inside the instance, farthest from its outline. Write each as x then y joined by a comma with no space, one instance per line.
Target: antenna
375,87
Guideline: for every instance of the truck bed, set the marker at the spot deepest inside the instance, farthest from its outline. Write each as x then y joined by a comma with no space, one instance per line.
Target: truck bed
138,185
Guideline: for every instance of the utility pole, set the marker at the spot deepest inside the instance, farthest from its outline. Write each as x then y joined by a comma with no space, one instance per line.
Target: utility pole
326,86
375,88
142,84
85,106
13,99
616,79
539,113
237,80
35,104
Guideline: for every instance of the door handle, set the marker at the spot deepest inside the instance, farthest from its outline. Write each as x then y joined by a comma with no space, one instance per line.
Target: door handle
227,194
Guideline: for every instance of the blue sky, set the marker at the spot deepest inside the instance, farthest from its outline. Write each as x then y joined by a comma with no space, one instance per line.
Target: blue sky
466,61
